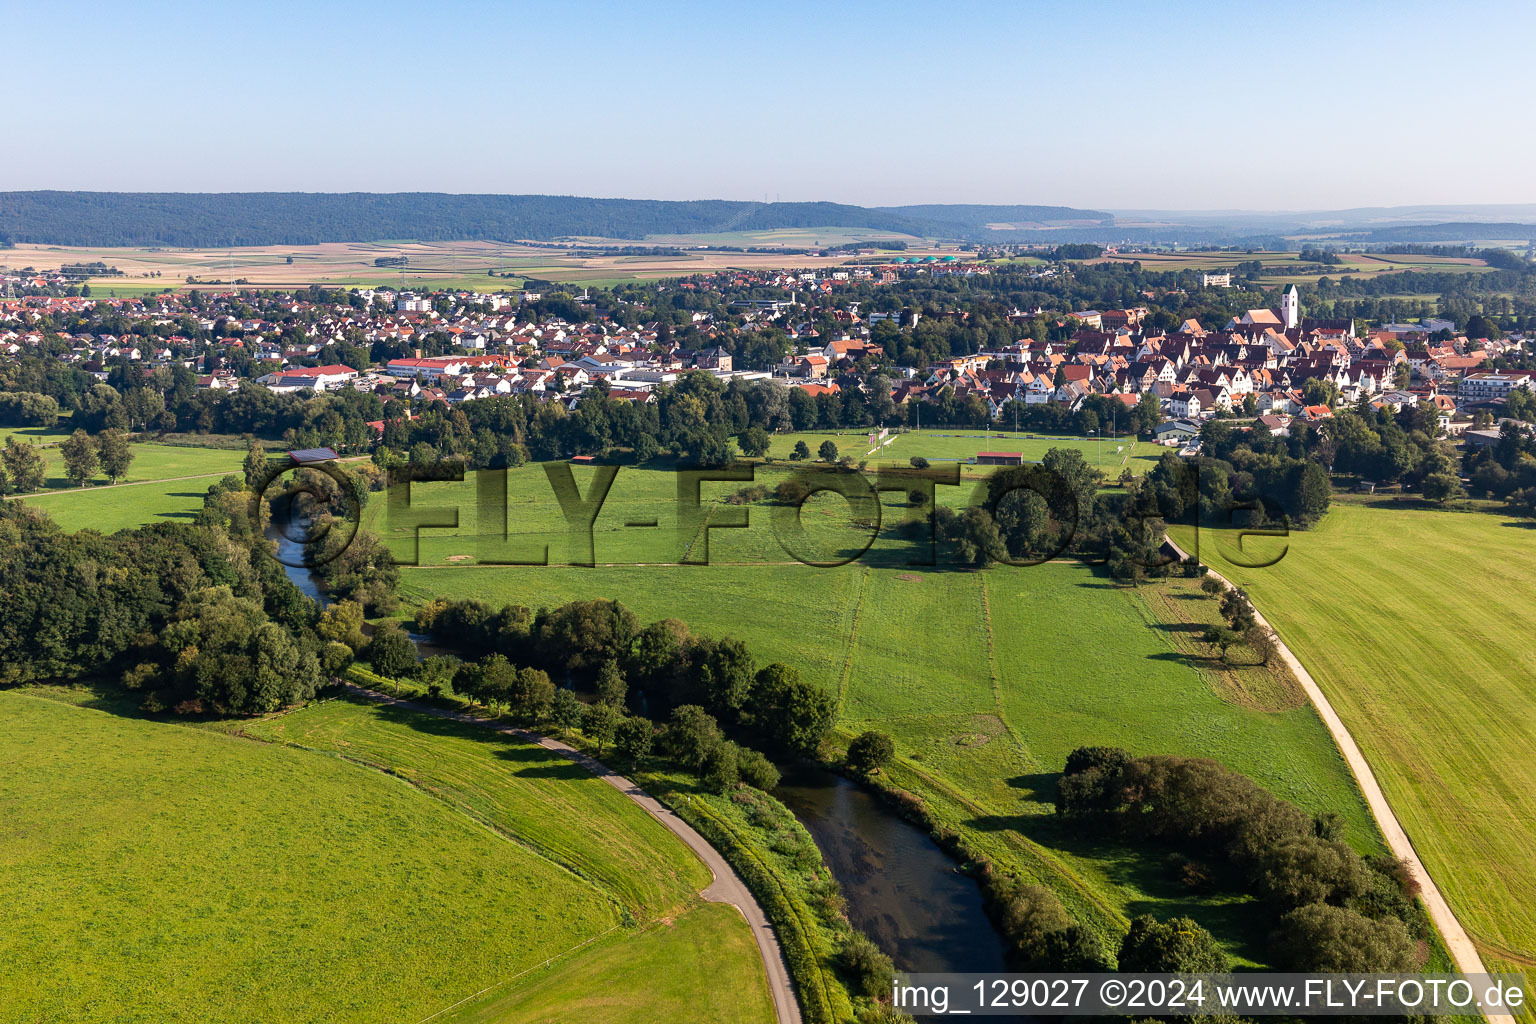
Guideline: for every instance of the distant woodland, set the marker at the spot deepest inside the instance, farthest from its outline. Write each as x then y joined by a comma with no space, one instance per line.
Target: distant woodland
200,220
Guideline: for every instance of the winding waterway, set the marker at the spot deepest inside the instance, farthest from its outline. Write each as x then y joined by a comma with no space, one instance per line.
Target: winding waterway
902,890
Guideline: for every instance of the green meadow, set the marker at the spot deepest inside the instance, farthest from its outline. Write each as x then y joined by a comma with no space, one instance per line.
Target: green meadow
152,462
125,506
657,975
1416,625
985,679
343,862
961,444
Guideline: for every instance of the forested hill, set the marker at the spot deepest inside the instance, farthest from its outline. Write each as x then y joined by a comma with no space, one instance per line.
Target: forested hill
306,218
1459,231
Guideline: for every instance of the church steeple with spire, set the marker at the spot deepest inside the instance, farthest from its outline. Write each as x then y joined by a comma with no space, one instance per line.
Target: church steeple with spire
1290,308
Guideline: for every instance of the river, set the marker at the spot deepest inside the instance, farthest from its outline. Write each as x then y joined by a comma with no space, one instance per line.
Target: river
902,890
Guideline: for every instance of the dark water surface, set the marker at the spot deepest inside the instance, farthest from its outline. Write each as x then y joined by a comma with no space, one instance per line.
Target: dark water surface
902,890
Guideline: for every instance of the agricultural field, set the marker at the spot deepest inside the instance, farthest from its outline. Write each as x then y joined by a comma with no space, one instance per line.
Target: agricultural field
466,265
423,865
986,680
1415,624
1350,264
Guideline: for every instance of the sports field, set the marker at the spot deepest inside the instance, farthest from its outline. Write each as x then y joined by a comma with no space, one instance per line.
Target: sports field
986,680
1416,625
391,867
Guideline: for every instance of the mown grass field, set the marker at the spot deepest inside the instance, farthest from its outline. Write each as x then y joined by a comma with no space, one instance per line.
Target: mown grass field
158,871
37,435
123,507
961,444
1416,625
152,462
528,794
986,680
698,966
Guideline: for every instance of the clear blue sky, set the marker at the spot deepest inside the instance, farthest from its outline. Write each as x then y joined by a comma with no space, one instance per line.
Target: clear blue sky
1118,105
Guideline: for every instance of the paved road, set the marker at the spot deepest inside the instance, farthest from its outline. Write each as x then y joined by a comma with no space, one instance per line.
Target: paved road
727,886
1460,944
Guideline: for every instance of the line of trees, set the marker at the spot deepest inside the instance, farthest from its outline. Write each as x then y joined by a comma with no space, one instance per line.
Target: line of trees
1331,909
657,668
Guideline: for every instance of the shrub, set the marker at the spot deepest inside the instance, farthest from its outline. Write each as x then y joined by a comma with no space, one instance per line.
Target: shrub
791,491
721,770
756,770
1027,915
870,970
1178,946
1319,937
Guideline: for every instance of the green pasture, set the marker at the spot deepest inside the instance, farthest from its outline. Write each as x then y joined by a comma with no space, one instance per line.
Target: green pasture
1415,623
161,872
366,864
986,680
700,966
528,794
124,506
153,462
37,435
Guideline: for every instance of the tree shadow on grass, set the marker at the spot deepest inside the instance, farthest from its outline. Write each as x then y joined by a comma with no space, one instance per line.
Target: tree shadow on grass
1038,786
1192,660
536,761
1180,627
1151,876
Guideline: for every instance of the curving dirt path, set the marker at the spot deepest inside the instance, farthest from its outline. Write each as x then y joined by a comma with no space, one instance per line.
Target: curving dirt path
727,886
1457,941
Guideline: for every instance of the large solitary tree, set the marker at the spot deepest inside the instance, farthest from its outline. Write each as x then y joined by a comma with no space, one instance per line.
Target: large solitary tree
115,454
24,465
80,461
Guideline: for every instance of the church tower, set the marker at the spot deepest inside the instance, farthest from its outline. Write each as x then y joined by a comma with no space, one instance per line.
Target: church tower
1290,308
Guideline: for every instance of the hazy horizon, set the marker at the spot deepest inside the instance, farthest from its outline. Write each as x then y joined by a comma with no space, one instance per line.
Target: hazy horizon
1204,107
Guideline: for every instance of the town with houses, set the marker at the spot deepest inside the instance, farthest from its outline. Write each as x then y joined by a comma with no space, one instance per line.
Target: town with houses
1275,365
